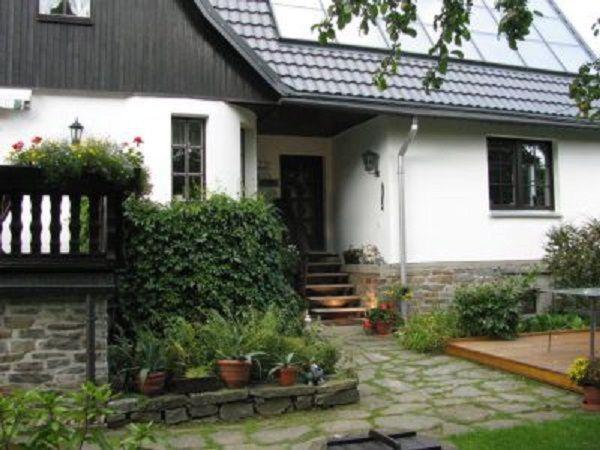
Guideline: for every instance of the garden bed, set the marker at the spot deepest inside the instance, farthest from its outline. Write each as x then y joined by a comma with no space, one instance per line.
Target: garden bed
232,404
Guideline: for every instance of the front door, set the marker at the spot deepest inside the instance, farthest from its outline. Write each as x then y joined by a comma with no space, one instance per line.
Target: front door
302,194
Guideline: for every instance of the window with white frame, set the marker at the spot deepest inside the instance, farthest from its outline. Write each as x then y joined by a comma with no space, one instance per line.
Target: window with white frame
66,8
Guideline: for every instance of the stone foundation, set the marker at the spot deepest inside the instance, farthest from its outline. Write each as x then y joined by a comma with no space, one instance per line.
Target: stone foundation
232,404
433,284
43,342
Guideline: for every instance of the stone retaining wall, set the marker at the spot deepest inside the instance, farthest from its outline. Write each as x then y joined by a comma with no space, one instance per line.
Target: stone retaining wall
232,404
43,342
433,284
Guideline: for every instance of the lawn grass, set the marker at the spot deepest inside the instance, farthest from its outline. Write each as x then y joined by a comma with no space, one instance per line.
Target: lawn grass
578,432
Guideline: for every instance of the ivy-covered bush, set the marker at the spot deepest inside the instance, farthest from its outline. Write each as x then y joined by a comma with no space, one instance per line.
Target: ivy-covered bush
429,332
573,254
186,258
63,162
491,309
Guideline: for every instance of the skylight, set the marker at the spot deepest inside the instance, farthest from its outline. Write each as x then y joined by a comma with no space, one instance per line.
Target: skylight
551,44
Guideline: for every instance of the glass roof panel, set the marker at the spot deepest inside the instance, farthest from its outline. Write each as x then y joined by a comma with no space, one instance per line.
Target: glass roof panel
295,23
352,35
295,18
554,30
537,54
495,49
572,56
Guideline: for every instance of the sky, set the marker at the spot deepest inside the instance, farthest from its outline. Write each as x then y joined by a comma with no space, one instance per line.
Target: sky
582,14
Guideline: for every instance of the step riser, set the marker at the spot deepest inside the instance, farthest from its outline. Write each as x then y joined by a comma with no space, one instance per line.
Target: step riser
328,280
322,268
324,258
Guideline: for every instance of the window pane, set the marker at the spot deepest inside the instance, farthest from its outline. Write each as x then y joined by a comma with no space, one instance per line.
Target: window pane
571,56
195,162
196,188
79,8
179,160
296,23
195,127
536,54
178,187
178,131
495,49
534,170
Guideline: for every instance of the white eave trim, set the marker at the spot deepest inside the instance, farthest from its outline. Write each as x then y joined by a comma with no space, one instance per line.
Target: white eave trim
15,99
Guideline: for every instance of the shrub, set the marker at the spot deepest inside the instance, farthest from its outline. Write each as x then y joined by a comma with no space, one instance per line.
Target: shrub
573,255
39,419
585,372
549,322
429,332
491,309
187,258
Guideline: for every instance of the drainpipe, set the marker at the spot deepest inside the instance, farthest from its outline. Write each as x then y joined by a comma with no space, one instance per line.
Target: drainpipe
412,133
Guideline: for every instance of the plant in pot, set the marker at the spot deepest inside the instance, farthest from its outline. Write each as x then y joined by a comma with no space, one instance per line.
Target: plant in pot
235,361
391,295
186,362
286,371
383,321
151,362
586,373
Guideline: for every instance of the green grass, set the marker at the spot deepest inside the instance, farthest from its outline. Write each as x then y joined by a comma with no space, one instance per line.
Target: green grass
579,432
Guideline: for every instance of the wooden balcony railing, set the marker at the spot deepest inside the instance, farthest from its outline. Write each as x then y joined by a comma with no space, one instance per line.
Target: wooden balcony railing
41,227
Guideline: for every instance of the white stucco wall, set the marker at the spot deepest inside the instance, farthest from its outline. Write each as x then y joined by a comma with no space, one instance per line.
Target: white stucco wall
122,118
448,215
270,147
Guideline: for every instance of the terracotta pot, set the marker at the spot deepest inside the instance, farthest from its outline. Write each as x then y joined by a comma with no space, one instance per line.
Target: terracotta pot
287,376
367,326
591,398
235,374
153,385
383,328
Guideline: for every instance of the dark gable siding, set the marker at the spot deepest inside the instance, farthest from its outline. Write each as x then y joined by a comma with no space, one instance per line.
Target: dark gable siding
144,46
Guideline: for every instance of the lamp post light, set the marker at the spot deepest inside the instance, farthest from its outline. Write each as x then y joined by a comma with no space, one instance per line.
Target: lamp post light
76,131
371,162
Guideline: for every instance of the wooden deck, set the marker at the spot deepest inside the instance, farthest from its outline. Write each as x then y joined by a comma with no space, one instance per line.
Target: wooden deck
529,354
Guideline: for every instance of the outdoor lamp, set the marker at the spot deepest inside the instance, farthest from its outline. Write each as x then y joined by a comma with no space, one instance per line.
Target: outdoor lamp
371,162
76,131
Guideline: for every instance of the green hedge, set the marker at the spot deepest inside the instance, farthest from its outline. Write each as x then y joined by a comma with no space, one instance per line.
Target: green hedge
186,258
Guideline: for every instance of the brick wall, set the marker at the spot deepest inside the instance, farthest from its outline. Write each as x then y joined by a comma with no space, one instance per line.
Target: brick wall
433,284
43,342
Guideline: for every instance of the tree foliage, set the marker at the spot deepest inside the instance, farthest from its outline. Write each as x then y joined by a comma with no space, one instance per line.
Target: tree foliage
453,25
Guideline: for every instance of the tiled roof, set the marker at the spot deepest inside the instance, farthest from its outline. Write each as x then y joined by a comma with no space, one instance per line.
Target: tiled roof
340,73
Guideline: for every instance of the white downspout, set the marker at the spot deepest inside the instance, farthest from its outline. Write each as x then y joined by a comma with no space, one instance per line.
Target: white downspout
412,133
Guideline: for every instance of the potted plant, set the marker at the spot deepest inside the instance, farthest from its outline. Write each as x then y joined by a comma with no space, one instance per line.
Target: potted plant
286,371
151,362
235,369
383,320
586,373
390,295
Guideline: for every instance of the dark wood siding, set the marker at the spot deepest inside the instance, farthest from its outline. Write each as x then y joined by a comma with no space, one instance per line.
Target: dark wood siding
145,46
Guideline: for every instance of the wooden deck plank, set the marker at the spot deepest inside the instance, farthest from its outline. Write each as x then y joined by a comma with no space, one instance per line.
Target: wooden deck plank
528,355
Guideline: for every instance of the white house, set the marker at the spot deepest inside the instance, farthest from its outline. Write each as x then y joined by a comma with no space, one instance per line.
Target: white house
239,96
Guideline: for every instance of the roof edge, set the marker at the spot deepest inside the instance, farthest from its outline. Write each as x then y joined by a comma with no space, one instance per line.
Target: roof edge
442,111
240,45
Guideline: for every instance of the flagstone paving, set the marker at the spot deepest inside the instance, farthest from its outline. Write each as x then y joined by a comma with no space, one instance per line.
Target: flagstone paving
439,395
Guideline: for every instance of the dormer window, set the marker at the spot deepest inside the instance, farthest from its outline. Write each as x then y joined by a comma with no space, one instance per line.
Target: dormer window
65,9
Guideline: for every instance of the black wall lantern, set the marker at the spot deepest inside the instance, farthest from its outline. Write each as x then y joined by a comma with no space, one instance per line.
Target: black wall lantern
371,162
76,131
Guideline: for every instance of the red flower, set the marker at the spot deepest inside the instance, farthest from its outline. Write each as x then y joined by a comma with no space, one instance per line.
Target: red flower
138,140
36,140
18,146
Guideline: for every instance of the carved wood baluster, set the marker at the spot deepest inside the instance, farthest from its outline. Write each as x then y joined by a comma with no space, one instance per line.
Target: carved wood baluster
94,224
36,224
55,225
16,224
75,224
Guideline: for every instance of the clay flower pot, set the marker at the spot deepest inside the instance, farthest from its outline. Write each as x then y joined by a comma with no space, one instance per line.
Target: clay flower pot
152,385
383,328
591,398
287,376
235,374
